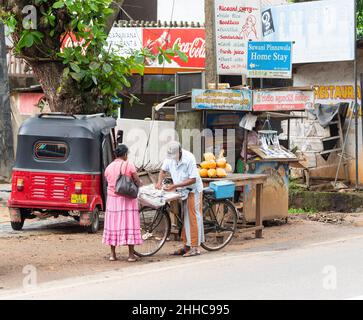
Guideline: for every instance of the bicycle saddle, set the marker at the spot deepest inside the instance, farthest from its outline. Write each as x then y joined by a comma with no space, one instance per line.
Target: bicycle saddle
208,191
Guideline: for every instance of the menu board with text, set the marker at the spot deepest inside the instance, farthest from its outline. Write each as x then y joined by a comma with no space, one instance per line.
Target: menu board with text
236,23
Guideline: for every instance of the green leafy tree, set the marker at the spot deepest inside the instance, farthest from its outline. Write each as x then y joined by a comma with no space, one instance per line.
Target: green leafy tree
360,18
88,75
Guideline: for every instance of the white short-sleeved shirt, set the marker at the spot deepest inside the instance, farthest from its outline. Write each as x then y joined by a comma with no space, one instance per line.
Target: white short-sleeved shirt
185,169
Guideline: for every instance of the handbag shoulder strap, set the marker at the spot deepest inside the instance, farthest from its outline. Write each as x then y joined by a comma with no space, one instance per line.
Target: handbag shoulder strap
125,168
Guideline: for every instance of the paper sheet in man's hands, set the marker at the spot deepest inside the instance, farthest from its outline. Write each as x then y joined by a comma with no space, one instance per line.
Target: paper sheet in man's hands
151,197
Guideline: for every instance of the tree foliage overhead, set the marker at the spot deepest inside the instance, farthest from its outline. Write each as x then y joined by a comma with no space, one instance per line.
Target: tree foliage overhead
86,76
360,18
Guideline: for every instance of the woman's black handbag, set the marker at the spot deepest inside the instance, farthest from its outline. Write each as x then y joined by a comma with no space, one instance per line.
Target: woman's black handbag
125,186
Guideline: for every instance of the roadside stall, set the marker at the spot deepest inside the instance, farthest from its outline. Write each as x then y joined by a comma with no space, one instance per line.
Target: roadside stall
230,116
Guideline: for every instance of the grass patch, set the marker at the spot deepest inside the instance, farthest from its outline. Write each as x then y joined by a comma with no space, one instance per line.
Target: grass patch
301,211
294,186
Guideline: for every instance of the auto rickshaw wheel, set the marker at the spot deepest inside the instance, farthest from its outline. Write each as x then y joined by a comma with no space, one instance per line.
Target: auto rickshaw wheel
17,226
95,221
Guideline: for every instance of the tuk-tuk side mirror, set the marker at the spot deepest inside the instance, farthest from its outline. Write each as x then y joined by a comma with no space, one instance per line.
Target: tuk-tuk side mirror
120,136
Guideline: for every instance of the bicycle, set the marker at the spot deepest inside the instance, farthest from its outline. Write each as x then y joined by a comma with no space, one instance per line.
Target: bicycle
219,220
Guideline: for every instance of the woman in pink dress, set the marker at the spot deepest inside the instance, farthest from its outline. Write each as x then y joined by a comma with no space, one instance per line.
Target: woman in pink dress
122,217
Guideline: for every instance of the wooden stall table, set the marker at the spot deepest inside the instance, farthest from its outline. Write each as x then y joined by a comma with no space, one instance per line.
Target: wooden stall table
242,180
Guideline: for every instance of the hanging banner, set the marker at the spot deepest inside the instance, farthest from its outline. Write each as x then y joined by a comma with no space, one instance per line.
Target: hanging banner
269,60
237,100
282,100
236,23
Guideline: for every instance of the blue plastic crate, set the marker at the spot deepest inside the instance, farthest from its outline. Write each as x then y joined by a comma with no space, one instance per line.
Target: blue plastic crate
223,189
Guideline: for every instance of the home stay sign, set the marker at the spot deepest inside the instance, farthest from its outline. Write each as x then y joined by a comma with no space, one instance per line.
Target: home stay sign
269,60
236,23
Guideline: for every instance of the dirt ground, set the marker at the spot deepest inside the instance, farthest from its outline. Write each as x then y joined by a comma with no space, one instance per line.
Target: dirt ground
59,248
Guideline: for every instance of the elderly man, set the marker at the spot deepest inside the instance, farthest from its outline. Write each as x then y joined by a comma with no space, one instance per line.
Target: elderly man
181,165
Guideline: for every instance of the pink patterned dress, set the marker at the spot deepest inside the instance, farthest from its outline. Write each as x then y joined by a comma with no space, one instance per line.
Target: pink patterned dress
122,217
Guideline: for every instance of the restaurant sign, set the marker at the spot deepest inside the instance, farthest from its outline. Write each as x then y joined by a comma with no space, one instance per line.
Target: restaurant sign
282,100
237,100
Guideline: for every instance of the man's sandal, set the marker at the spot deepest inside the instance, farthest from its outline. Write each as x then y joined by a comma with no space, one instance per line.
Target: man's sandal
192,253
132,259
179,252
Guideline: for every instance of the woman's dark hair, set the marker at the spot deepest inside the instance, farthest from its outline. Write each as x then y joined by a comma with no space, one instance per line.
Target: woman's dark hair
259,123
121,150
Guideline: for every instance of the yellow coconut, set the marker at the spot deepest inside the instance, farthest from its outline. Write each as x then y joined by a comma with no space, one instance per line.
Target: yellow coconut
221,173
203,173
209,156
204,165
228,168
221,163
221,154
212,164
212,173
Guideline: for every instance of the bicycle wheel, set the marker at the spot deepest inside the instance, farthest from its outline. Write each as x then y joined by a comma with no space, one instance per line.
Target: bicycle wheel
220,223
155,228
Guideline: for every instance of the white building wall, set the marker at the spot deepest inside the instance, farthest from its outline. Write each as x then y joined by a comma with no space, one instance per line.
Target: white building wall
137,134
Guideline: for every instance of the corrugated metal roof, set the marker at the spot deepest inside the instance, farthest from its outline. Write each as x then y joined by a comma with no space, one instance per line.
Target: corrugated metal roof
157,24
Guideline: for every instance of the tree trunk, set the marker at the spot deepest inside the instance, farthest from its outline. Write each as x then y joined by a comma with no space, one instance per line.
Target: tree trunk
70,99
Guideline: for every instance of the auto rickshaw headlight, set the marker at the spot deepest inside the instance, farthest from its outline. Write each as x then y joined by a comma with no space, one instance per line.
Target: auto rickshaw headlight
78,187
20,184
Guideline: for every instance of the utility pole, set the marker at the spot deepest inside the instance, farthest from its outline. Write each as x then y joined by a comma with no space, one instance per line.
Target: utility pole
210,62
356,108
6,132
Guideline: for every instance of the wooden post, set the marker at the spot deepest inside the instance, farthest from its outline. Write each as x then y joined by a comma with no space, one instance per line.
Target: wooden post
245,146
259,189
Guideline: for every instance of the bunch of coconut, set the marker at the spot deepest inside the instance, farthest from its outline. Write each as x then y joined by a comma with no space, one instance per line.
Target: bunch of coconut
213,167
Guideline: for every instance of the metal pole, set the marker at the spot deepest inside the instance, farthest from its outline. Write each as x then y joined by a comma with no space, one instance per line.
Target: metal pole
344,144
6,130
356,99
361,103
288,133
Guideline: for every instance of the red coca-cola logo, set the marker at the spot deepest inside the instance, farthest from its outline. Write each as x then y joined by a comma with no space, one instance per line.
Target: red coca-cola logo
195,49
71,41
190,41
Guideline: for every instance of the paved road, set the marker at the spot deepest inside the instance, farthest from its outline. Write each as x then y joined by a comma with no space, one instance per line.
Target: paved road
330,270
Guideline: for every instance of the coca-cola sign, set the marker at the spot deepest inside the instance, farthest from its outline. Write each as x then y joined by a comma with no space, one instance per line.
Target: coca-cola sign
190,41
69,40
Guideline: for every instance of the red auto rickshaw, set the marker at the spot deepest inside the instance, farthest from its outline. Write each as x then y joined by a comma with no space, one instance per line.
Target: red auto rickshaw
59,168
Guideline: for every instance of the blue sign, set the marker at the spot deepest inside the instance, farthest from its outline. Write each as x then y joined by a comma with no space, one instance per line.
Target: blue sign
269,59
237,100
